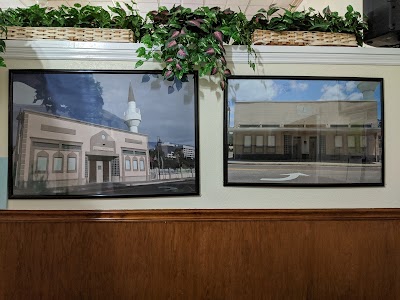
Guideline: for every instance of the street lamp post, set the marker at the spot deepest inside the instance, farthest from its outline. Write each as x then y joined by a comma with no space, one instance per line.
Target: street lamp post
158,156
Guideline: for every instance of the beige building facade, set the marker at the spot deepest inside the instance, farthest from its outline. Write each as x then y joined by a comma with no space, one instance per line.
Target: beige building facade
345,131
59,152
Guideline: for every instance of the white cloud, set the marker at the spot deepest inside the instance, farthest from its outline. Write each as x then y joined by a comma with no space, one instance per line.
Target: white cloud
351,86
338,91
333,92
253,90
355,96
298,86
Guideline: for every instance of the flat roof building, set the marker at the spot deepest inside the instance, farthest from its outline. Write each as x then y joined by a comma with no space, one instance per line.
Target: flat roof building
306,131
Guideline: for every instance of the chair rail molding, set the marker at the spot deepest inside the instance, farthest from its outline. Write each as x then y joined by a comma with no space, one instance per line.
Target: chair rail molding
96,51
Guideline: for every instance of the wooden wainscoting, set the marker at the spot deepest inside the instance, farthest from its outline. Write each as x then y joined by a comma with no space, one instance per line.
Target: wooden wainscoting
200,254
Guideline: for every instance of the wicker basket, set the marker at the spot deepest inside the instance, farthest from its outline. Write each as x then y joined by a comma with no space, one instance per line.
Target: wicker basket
70,34
303,38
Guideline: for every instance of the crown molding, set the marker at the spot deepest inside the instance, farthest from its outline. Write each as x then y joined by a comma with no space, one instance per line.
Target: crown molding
95,51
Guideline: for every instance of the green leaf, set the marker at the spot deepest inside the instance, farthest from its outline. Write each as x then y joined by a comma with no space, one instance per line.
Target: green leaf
141,51
139,63
350,8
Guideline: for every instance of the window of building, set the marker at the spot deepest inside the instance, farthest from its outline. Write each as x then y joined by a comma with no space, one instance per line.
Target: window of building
135,164
141,165
115,167
287,144
271,141
259,141
351,141
322,144
58,161
338,141
247,141
42,161
247,144
127,164
140,152
363,141
71,163
71,147
41,164
131,152
46,145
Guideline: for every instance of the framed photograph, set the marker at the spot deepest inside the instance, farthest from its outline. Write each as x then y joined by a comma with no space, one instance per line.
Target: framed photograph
303,131
80,134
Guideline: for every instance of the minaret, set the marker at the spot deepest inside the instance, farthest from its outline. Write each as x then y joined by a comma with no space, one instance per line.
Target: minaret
132,114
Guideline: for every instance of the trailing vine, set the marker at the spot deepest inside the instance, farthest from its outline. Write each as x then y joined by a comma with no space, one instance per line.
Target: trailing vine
181,39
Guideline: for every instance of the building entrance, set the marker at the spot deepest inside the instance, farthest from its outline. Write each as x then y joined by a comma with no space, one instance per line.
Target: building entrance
99,171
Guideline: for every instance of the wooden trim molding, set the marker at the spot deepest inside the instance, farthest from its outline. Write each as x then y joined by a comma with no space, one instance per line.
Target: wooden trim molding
200,215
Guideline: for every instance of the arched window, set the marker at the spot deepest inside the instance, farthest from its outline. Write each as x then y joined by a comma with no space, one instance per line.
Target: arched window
72,162
42,162
127,163
58,162
142,168
135,164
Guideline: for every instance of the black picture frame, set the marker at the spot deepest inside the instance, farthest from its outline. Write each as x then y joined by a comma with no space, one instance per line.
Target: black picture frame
303,131
102,133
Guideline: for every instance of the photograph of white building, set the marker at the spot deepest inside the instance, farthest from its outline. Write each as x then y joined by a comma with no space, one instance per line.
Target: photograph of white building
107,146
302,126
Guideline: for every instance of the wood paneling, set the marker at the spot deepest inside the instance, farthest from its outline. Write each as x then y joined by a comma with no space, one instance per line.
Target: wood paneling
266,254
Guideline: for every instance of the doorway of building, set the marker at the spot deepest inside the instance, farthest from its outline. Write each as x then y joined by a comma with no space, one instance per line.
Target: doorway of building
296,148
313,148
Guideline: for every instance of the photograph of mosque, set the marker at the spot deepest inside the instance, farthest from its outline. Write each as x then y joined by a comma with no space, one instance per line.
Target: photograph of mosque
84,134
303,131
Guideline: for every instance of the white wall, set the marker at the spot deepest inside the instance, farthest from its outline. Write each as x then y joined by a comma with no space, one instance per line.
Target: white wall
336,5
213,193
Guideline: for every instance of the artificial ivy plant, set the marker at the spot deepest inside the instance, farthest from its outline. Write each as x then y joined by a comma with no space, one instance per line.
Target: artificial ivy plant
185,40
86,16
311,20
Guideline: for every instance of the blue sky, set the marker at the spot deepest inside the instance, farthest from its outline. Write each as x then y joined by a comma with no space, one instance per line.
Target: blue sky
250,90
168,116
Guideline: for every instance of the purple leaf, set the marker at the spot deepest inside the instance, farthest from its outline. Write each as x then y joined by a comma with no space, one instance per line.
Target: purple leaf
214,71
169,60
178,66
175,34
222,59
228,11
194,23
183,31
219,36
168,74
171,44
181,53
221,47
222,85
210,51
227,72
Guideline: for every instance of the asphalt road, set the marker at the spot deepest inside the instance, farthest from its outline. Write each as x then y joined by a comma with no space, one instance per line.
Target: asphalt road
176,187
309,174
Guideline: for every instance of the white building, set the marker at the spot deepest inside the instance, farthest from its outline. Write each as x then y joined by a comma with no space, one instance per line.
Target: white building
188,151
59,151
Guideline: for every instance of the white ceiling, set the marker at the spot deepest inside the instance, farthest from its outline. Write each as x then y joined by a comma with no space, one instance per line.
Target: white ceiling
249,7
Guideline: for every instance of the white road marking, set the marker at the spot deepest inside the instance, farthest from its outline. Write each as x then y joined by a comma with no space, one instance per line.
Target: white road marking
290,176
